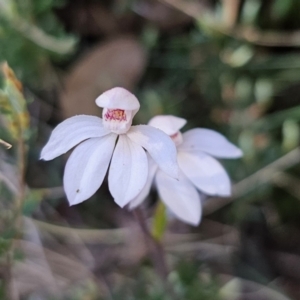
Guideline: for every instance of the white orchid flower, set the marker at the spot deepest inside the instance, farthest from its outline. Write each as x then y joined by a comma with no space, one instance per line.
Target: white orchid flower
198,169
86,168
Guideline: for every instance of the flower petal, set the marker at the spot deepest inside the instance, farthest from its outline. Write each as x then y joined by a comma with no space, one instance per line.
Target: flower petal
180,196
206,173
71,132
128,171
167,123
159,146
211,142
152,168
118,98
86,168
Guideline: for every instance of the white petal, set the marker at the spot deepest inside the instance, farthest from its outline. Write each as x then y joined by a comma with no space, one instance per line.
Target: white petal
118,98
205,172
71,132
159,146
128,171
180,196
152,168
86,168
168,124
211,142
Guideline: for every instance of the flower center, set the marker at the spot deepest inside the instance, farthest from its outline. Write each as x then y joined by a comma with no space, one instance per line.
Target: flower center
115,115
176,138
173,136
117,120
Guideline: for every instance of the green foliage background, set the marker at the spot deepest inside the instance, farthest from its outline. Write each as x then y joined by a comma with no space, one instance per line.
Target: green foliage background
233,70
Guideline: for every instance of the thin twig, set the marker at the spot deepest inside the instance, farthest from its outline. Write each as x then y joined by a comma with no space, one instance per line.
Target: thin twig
248,34
105,236
230,12
263,176
5,144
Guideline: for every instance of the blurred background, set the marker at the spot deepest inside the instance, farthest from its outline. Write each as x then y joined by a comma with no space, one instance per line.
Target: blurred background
228,65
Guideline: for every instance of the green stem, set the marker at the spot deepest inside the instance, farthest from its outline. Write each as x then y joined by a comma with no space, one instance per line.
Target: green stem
159,221
157,253
156,250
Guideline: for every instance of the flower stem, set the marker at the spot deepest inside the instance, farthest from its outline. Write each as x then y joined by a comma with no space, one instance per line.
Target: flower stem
156,252
159,221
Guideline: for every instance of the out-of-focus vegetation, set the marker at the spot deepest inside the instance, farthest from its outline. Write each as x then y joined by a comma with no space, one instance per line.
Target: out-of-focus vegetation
32,38
229,65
